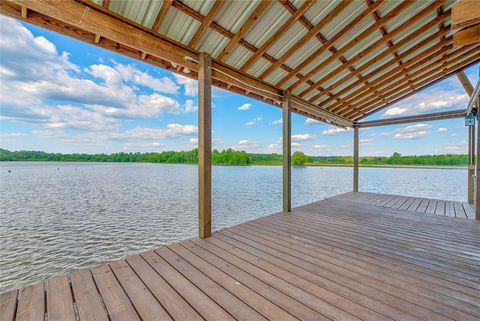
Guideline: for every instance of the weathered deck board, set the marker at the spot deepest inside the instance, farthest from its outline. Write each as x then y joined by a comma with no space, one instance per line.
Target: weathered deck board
415,204
356,256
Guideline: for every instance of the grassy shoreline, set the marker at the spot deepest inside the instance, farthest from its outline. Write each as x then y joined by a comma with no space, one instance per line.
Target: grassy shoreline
259,164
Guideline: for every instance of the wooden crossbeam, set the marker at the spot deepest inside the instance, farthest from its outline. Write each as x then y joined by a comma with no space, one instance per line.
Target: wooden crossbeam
397,86
307,37
215,26
381,69
414,118
465,13
465,82
424,82
269,42
427,55
467,36
372,47
366,33
365,14
423,72
161,14
264,4
206,22
404,41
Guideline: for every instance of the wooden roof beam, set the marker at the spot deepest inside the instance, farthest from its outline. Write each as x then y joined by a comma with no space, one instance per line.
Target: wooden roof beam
330,43
380,69
465,82
106,3
269,42
206,22
389,87
307,37
413,119
197,16
161,14
421,82
374,46
420,86
379,81
259,10
465,13
373,28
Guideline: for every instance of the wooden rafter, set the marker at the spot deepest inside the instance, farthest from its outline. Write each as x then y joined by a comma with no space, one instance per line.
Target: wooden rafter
347,100
206,22
396,82
375,45
409,38
269,42
264,4
310,34
396,94
436,78
413,119
465,82
330,42
161,14
319,36
215,26
106,3
384,33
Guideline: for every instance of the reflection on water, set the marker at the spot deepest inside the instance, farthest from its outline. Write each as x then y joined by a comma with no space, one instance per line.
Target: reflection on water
56,217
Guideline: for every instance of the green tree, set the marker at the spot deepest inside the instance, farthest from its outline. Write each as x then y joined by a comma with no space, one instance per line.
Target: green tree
299,158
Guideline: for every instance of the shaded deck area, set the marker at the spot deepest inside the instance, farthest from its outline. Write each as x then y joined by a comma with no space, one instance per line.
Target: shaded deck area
354,256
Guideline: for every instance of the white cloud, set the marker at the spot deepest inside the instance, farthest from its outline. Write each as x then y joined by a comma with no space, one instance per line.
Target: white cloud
302,137
311,121
190,85
254,121
442,130
321,147
434,100
334,131
247,145
41,86
246,106
412,132
277,121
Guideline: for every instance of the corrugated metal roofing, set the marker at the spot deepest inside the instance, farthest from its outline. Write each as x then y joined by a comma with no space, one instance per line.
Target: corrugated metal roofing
184,18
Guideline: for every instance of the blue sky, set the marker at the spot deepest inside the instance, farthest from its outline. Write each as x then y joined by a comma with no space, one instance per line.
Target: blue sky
62,95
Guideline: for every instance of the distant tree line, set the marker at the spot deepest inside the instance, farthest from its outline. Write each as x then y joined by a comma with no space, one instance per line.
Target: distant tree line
232,157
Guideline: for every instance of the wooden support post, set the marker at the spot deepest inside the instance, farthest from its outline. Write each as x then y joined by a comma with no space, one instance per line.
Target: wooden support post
477,174
205,146
471,164
355,158
287,149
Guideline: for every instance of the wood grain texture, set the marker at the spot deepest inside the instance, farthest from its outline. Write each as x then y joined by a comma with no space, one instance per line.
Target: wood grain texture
355,256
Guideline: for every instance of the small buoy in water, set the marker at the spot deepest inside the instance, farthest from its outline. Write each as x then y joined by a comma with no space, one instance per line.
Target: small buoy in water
9,171
57,168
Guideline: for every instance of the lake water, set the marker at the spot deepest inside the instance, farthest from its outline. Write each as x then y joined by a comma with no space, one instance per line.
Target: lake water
57,217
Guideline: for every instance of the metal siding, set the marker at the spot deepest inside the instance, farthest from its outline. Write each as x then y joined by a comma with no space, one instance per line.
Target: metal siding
178,26
343,19
233,14
140,11
303,52
287,40
264,28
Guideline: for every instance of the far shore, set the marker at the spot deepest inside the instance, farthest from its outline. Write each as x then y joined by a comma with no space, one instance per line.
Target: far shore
260,164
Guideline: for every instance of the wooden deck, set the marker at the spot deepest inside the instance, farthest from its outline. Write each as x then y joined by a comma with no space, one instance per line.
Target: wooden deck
343,258
414,204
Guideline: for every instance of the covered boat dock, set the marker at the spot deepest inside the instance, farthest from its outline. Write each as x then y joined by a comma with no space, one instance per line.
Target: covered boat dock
355,256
